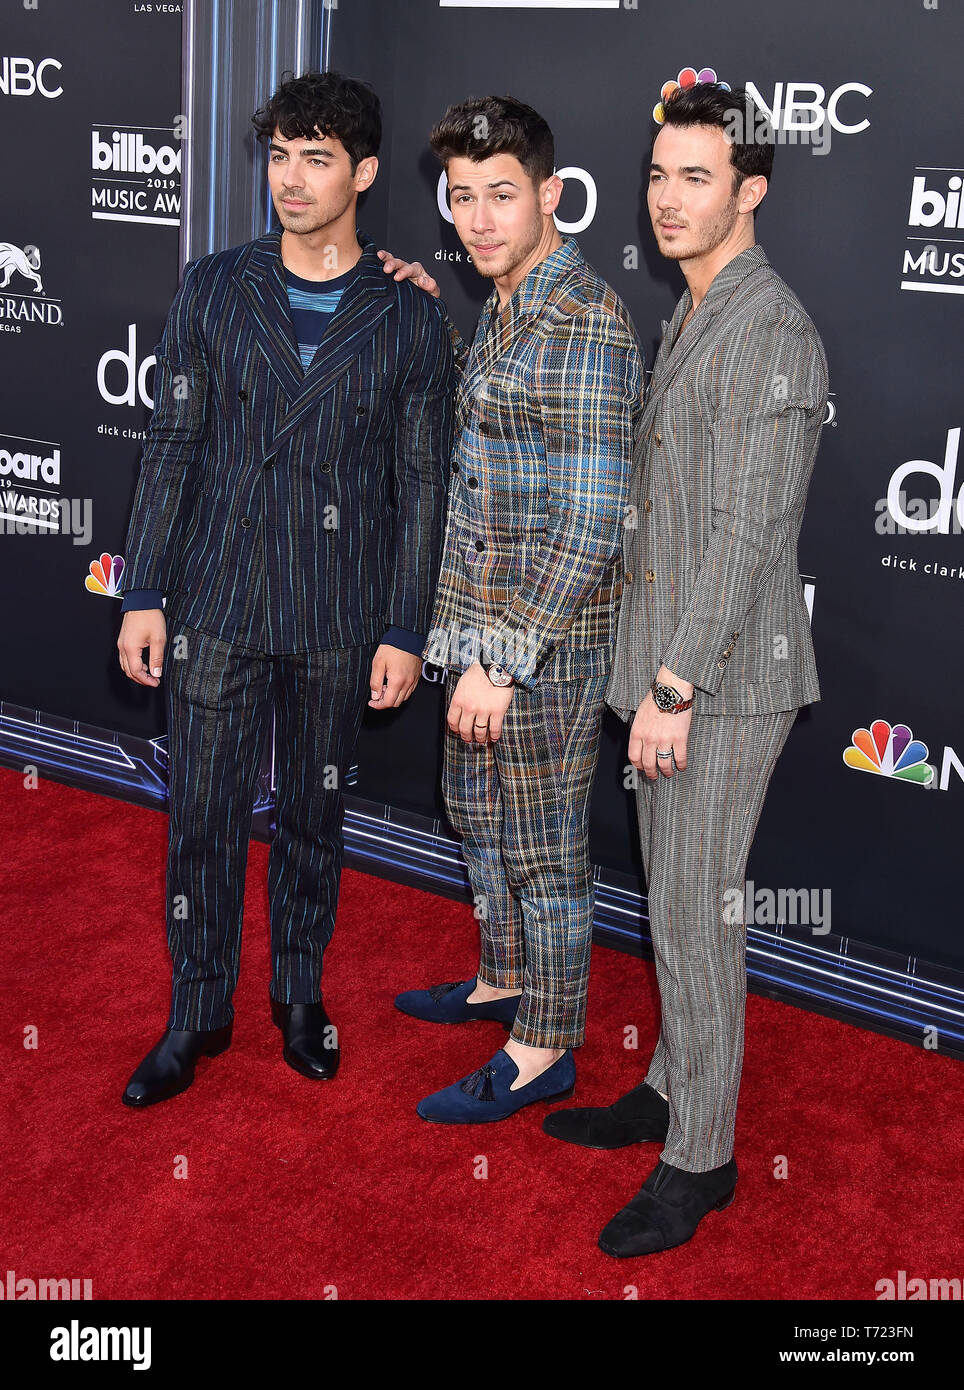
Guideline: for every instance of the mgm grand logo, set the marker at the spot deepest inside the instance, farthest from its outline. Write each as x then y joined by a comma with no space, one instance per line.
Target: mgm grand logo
22,298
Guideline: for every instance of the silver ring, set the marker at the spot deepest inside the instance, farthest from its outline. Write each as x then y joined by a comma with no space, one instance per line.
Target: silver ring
667,754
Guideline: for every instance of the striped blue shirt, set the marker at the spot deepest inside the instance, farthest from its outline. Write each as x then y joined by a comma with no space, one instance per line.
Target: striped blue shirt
313,303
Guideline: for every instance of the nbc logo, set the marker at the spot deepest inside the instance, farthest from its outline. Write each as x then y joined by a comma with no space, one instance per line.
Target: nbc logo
686,77
104,575
890,751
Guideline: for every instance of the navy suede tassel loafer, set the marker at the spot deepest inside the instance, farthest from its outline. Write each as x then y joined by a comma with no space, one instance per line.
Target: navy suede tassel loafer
446,1004
485,1095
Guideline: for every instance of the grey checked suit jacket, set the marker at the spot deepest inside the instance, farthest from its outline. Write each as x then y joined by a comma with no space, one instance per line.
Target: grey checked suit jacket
723,459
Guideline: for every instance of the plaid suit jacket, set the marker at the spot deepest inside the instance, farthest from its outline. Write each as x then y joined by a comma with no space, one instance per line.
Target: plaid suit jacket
729,436
547,405
290,510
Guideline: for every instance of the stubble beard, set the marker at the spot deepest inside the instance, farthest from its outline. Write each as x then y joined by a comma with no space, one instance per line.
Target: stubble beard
513,256
313,218
709,236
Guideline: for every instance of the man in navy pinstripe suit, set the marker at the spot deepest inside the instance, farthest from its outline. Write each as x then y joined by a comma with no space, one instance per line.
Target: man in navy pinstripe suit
290,507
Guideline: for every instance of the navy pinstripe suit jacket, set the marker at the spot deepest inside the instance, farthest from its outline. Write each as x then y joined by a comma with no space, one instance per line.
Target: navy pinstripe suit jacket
290,510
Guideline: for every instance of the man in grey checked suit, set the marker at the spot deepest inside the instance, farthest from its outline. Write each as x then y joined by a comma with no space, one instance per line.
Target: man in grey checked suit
713,654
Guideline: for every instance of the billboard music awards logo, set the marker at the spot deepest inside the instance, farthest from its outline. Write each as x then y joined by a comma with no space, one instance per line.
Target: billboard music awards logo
934,253
30,482
22,298
136,174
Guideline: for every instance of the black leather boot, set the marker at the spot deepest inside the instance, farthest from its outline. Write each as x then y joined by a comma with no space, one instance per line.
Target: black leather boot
311,1039
667,1209
639,1117
168,1069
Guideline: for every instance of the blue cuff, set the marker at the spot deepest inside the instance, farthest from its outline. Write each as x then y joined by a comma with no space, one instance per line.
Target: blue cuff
142,598
405,641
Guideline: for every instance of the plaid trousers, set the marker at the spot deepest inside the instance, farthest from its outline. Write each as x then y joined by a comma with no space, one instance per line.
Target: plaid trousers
521,806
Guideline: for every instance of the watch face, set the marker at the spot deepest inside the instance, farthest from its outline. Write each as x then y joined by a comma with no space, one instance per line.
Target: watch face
664,697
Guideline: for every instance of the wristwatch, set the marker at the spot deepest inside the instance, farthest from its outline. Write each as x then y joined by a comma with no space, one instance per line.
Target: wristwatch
668,699
499,676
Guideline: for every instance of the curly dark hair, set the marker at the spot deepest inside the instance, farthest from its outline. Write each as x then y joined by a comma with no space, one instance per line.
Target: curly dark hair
327,103
737,115
482,127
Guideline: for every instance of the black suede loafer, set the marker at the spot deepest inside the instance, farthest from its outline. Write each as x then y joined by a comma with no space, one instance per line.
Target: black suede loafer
168,1069
667,1209
310,1038
639,1117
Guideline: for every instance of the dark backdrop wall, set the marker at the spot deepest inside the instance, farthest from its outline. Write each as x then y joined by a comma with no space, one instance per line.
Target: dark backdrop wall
865,220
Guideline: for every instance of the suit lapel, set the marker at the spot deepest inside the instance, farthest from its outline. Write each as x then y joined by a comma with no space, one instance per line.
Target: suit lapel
365,300
527,301
265,297
485,351
669,333
670,360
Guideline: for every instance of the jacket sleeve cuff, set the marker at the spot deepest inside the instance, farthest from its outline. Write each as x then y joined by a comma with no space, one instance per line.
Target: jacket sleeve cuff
696,657
404,640
137,599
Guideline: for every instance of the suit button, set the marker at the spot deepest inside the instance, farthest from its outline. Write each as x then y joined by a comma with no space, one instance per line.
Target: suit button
242,394
722,663
480,545
268,463
326,467
647,505
360,410
734,635
628,576
659,438
245,521
472,482
483,427
650,576
455,468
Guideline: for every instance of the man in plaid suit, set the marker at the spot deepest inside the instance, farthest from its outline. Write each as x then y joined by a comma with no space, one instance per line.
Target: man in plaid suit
525,610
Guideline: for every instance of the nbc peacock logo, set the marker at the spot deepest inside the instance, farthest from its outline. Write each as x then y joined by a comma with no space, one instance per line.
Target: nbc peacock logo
104,575
686,77
890,751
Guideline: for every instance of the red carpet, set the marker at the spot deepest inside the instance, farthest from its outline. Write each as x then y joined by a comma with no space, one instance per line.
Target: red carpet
296,1188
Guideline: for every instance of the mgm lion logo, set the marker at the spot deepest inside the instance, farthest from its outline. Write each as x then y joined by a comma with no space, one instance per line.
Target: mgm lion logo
25,262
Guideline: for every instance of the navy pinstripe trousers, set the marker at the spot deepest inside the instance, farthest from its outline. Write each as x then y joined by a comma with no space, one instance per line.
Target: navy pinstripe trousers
695,831
220,702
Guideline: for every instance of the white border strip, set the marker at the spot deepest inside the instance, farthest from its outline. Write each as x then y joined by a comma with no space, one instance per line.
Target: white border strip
528,4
